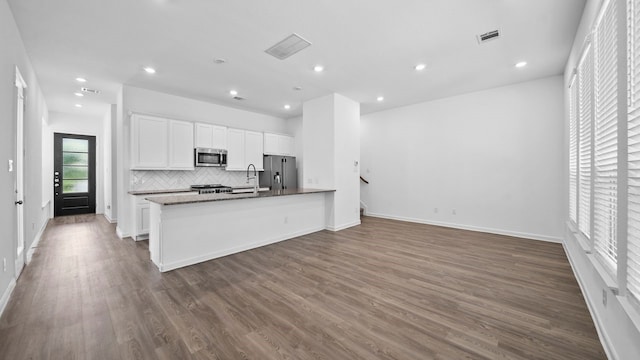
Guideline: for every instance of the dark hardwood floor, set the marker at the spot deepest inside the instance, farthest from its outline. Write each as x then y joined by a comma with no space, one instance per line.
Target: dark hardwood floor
382,290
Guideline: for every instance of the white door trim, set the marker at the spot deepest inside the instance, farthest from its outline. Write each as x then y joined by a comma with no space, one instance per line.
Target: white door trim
19,248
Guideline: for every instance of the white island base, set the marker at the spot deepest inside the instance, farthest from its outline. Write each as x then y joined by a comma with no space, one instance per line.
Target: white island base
184,234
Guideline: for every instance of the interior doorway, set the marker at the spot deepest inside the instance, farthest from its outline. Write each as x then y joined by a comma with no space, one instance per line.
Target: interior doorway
74,174
19,175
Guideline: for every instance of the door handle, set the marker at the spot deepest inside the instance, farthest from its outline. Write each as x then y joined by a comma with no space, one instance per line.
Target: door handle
19,202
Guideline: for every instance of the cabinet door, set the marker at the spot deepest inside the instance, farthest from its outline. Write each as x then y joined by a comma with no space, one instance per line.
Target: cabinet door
143,223
285,145
271,144
254,149
181,145
219,137
204,136
149,142
235,150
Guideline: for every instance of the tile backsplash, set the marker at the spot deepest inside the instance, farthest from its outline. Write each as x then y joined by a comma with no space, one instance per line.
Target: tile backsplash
173,179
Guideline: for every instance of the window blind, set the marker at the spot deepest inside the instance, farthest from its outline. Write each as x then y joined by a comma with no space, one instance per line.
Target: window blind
585,82
573,151
606,138
633,127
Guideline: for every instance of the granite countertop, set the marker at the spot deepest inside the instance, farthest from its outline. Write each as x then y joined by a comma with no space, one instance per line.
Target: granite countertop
198,198
152,192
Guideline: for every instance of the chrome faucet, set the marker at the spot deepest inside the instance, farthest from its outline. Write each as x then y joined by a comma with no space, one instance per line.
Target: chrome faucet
255,177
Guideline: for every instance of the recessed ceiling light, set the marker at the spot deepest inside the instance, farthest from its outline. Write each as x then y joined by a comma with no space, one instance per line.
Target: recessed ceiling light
318,68
521,64
150,70
287,107
420,67
79,79
78,94
380,98
233,93
78,105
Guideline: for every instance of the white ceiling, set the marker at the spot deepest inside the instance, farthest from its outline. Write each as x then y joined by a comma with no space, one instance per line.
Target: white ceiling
368,48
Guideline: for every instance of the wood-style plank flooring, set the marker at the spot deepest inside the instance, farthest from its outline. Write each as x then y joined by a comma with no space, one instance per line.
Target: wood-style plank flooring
382,290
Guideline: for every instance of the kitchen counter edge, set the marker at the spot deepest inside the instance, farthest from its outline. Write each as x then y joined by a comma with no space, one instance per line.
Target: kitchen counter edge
200,198
153,192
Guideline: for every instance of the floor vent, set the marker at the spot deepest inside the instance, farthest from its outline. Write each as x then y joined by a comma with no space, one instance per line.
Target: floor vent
287,47
488,36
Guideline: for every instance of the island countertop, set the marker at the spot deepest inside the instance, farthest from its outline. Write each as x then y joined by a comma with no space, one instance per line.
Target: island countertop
198,198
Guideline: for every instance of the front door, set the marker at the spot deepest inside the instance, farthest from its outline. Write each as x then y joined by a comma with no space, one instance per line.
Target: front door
74,174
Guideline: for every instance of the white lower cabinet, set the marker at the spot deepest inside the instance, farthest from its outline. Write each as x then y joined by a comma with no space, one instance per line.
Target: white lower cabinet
140,207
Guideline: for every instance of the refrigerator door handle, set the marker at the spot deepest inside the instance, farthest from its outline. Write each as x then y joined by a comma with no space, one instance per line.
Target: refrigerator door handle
284,174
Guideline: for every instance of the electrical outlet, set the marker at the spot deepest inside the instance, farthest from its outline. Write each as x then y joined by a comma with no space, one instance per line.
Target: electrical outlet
286,219
453,212
4,264
435,210
33,226
604,297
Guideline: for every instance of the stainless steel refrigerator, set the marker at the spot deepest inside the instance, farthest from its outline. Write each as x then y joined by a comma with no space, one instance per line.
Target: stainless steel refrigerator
279,172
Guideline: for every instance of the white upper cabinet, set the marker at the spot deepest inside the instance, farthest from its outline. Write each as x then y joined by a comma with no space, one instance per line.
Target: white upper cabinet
181,156
149,137
243,148
254,149
235,150
211,136
276,144
161,144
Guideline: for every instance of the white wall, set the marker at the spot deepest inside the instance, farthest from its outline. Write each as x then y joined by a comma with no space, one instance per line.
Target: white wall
620,337
109,181
82,125
331,126
175,107
35,216
294,128
347,160
493,157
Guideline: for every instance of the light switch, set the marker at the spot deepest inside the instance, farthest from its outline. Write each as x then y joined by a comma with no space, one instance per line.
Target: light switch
10,165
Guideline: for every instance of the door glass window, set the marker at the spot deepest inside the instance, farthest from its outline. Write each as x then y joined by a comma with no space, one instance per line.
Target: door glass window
75,165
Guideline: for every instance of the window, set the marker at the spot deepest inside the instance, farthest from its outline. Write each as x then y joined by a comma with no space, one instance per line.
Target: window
633,138
75,165
585,83
606,138
573,151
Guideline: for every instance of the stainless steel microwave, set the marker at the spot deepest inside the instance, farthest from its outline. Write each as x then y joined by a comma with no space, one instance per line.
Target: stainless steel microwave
210,157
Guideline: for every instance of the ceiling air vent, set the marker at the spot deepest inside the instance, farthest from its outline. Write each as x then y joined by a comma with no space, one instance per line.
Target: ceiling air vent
90,91
287,47
488,36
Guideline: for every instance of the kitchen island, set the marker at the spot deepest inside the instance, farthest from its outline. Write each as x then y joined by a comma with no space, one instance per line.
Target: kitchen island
189,229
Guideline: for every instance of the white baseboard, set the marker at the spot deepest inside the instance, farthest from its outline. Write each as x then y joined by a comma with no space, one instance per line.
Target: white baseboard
36,241
4,300
110,220
225,252
605,339
471,228
120,233
344,226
